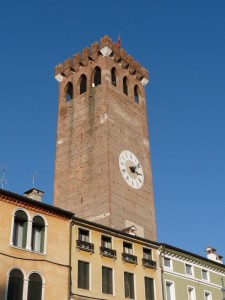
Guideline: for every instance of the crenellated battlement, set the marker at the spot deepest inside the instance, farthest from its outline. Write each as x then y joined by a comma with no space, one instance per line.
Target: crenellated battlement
103,48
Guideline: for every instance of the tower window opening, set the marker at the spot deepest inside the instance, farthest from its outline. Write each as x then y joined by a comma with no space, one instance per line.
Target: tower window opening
69,91
136,94
97,76
83,84
113,76
125,88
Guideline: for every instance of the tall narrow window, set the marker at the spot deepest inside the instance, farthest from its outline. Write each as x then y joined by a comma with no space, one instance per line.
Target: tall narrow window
83,84
69,91
113,76
125,87
170,291
34,287
97,76
107,280
15,285
149,289
83,275
191,293
129,285
136,94
20,229
38,234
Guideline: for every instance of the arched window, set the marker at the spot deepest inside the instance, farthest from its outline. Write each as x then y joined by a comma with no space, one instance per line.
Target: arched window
69,91
125,87
20,229
83,84
97,76
15,285
34,287
136,94
38,234
113,76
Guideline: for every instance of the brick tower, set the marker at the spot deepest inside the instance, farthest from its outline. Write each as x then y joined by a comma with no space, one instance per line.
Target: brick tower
102,165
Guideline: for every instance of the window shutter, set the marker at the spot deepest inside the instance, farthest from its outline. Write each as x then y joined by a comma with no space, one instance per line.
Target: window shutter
34,287
42,239
15,287
24,242
149,288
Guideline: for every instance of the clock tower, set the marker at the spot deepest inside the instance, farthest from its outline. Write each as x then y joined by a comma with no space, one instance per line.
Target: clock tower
102,166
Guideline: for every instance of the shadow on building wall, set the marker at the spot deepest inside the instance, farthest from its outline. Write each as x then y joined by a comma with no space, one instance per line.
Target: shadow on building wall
2,291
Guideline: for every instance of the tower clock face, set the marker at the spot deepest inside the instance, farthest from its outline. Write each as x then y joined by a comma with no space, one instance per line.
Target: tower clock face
131,169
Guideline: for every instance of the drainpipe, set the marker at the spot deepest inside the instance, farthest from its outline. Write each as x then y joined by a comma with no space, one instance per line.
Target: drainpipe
70,266
161,250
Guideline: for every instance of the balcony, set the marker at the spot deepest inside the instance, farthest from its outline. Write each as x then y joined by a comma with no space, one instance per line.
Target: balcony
132,259
108,252
148,263
85,246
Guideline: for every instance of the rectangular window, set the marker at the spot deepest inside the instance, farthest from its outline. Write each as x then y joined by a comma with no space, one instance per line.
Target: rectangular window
191,293
167,262
107,280
170,291
83,235
207,296
149,289
129,285
147,253
106,242
83,275
205,275
188,269
127,248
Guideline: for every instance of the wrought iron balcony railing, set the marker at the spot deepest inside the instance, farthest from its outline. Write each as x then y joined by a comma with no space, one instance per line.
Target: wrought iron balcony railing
129,258
148,263
86,246
108,252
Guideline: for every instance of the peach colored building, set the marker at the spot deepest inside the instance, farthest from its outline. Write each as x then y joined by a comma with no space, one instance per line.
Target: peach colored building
34,248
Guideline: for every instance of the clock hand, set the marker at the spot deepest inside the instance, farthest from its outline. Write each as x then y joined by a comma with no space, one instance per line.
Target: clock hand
138,173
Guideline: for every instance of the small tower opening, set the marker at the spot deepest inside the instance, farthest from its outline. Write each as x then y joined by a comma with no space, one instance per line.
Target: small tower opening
136,94
69,91
113,76
125,87
97,76
83,84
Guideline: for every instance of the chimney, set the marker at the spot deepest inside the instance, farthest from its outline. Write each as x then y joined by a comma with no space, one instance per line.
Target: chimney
131,230
212,255
34,194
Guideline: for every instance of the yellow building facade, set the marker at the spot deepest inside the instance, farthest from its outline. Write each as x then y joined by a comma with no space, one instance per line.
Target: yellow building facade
112,264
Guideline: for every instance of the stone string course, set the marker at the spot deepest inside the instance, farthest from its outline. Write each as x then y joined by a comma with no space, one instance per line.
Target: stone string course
88,55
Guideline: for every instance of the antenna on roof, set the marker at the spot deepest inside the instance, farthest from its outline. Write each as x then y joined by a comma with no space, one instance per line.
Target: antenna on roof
3,179
33,177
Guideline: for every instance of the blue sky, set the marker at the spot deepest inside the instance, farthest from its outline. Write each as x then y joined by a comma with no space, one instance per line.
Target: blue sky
182,44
